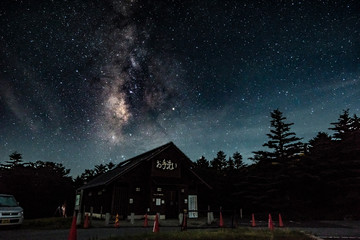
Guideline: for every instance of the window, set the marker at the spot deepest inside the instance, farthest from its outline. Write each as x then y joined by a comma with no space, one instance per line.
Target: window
158,202
193,207
137,189
159,189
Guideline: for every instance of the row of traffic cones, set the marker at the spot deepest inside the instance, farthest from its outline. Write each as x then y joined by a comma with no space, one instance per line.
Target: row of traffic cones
73,231
73,235
253,223
146,222
270,222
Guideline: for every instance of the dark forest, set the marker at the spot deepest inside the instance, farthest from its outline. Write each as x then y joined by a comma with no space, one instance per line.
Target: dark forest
318,179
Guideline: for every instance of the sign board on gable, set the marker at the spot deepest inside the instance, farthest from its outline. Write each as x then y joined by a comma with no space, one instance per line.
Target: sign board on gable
165,167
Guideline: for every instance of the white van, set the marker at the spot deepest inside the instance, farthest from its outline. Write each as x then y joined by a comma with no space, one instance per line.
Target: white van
10,211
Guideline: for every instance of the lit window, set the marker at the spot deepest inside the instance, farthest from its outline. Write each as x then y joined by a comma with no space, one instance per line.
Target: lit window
159,189
137,189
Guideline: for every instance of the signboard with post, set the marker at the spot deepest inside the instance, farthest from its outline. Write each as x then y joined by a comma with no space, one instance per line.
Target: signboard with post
78,200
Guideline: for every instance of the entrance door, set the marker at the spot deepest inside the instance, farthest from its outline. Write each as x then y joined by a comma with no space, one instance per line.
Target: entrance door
172,205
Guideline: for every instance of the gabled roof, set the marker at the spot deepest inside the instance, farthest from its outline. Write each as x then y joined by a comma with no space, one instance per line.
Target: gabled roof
126,166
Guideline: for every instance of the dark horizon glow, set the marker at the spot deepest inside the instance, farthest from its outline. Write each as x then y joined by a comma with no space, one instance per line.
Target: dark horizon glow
88,83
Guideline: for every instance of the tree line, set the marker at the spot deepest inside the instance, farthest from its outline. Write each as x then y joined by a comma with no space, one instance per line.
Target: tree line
316,179
42,187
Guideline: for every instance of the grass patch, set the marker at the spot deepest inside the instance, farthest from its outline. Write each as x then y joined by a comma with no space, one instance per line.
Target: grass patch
220,234
47,223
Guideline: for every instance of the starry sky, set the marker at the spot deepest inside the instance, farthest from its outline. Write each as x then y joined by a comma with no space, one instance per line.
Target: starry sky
88,82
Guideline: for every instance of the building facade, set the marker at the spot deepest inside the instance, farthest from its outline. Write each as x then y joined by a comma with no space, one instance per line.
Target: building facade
161,180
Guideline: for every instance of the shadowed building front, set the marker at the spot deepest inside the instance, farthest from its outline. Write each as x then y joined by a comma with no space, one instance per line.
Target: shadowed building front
161,180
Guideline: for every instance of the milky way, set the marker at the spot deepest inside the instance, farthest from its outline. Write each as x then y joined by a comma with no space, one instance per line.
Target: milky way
139,87
87,83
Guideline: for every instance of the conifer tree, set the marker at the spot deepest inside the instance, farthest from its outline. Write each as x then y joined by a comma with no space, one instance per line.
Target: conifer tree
355,128
219,163
15,160
320,144
238,160
347,132
355,124
343,126
230,165
202,162
283,143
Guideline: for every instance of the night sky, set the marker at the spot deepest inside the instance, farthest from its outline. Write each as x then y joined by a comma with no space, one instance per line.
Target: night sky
89,82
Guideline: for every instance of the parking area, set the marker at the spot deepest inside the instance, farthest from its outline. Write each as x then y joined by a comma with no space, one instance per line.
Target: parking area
335,230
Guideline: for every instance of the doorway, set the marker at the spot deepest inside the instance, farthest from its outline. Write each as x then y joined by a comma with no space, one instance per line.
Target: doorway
172,204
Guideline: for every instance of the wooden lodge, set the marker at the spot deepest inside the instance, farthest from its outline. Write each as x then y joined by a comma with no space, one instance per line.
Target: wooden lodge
161,180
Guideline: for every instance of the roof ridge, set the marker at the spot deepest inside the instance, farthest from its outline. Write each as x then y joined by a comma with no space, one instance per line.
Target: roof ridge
152,150
151,153
127,165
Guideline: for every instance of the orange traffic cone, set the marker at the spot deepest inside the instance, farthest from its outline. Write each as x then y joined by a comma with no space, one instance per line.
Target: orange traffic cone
270,223
73,234
281,224
117,223
146,224
253,224
221,221
86,221
156,224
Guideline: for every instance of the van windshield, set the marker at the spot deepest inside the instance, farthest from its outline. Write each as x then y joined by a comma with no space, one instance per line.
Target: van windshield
8,201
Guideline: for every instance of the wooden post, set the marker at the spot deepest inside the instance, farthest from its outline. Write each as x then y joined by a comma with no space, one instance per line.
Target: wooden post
107,219
91,214
83,212
233,219
78,218
181,217
132,218
209,220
